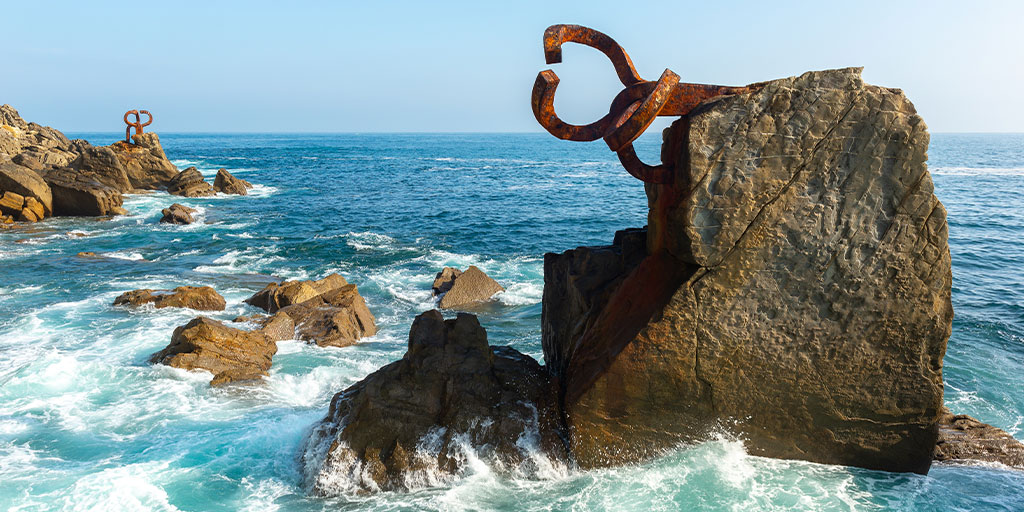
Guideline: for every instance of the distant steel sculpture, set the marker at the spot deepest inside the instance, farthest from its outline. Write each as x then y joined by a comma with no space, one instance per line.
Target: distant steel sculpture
138,124
632,110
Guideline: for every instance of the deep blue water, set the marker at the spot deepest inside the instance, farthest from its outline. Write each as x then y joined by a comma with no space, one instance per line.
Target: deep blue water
87,424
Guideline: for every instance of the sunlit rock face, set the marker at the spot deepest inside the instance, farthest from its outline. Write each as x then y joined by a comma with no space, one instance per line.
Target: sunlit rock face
795,289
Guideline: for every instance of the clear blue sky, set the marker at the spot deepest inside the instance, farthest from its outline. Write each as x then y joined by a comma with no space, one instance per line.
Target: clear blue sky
469,66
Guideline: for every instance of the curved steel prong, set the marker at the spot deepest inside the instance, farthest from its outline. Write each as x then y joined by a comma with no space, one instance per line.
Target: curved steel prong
661,174
556,35
147,123
543,103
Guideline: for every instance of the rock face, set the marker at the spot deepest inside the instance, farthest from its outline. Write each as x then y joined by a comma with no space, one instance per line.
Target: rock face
177,214
144,162
963,438
203,298
26,183
190,183
230,354
77,195
461,289
413,417
225,183
328,312
795,288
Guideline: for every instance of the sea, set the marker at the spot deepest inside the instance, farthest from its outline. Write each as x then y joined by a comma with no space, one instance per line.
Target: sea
86,423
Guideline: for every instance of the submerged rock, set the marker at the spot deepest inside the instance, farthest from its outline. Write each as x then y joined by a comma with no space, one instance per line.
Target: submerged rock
328,312
417,418
190,183
202,298
460,289
226,183
795,289
177,214
231,354
963,438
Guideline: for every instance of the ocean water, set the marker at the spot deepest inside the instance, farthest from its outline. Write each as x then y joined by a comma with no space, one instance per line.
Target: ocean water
87,424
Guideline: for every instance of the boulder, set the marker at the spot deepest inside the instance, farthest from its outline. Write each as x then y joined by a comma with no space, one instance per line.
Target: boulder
963,438
230,354
190,183
100,164
225,183
275,296
278,327
144,162
203,298
11,203
27,183
77,194
412,419
177,214
32,212
328,311
794,291
461,289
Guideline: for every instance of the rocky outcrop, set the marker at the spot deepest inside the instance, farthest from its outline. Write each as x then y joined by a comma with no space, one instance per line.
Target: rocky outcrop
963,438
144,162
100,164
230,354
202,298
190,183
226,183
795,289
328,312
78,195
26,183
177,214
417,416
461,289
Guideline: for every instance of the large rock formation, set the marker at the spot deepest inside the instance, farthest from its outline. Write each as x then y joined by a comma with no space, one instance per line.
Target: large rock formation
328,312
202,298
963,438
459,289
226,183
144,162
229,354
795,290
415,417
78,195
190,183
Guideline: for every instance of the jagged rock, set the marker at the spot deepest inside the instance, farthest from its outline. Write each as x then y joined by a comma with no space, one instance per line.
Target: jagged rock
795,291
963,438
32,145
230,354
412,416
177,214
461,289
100,164
203,298
11,203
278,327
190,183
32,212
144,162
328,311
27,183
77,194
225,183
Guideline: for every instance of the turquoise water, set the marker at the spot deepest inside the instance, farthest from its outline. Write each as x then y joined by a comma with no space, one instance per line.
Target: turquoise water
87,424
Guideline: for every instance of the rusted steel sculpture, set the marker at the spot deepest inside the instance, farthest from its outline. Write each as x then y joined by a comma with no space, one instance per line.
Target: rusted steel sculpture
138,124
632,110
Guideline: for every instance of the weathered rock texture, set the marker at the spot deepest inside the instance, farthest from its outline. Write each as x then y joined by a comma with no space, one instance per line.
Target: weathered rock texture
203,298
328,312
144,162
963,438
795,288
230,354
226,183
460,289
190,183
413,418
177,214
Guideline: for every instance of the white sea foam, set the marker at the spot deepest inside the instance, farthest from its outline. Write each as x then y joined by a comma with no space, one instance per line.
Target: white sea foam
978,171
367,241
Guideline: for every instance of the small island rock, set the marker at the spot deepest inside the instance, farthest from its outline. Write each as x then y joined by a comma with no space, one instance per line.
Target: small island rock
190,183
203,298
460,289
177,214
230,354
226,183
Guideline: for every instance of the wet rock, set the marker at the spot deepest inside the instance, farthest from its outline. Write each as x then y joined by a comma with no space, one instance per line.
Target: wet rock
461,289
963,438
78,195
328,311
226,183
795,289
232,355
144,162
177,214
190,183
87,254
202,298
26,183
415,418
275,296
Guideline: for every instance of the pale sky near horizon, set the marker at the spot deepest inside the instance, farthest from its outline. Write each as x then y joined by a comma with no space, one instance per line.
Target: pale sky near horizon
215,66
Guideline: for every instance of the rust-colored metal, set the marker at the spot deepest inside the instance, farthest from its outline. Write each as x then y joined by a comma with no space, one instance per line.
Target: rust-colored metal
138,124
632,110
